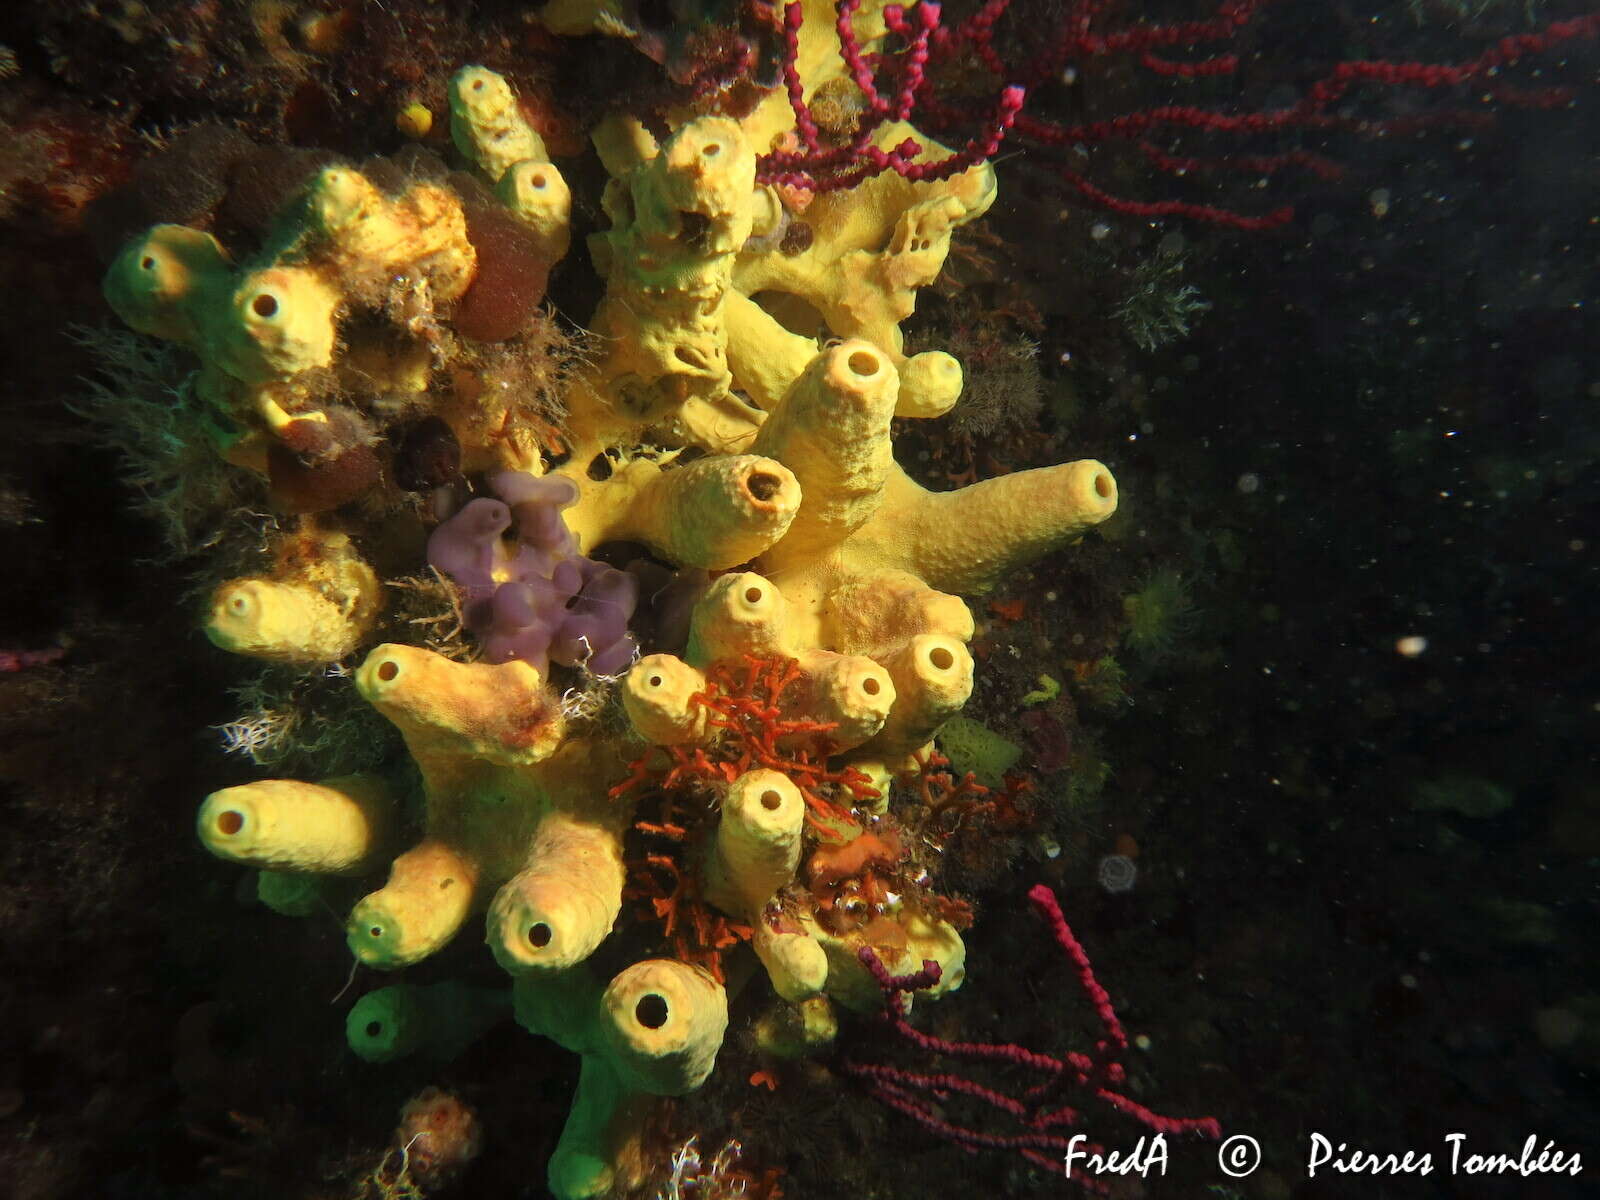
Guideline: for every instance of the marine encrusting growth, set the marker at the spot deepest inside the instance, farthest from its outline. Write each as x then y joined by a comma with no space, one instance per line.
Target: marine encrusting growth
721,495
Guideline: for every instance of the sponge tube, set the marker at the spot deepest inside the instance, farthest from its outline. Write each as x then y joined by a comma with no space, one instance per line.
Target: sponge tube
757,847
932,676
337,827
557,910
425,902
658,696
662,1022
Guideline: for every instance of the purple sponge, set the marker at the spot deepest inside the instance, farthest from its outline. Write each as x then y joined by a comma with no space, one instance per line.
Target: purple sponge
535,599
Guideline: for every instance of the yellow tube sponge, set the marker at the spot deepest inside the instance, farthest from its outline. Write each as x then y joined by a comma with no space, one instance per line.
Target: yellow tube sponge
539,197
439,1020
558,909
575,17
662,1023
832,431
486,124
847,691
741,613
338,827
415,120
424,904
797,1029
715,512
930,384
601,1150
757,845
623,144
678,219
265,333
873,292
388,1023
852,985
932,677
601,1145
562,1006
519,812
280,321
448,710
164,282
766,359
928,940
873,248
879,779
318,604
796,963
280,621
367,238
658,695
969,539
709,417
872,616
744,614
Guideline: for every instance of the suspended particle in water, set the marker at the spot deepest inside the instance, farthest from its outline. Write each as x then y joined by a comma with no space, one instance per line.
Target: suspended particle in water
1117,873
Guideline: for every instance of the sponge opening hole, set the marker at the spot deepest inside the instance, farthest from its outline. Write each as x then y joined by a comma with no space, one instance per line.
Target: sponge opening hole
651,1011
864,363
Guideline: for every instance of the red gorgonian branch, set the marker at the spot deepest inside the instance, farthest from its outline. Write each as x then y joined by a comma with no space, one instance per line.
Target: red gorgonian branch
907,78
1037,1113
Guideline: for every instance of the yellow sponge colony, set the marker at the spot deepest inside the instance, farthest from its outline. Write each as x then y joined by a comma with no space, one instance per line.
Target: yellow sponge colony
729,443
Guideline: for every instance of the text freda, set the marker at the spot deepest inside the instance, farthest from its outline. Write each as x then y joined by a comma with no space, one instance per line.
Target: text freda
1148,1152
